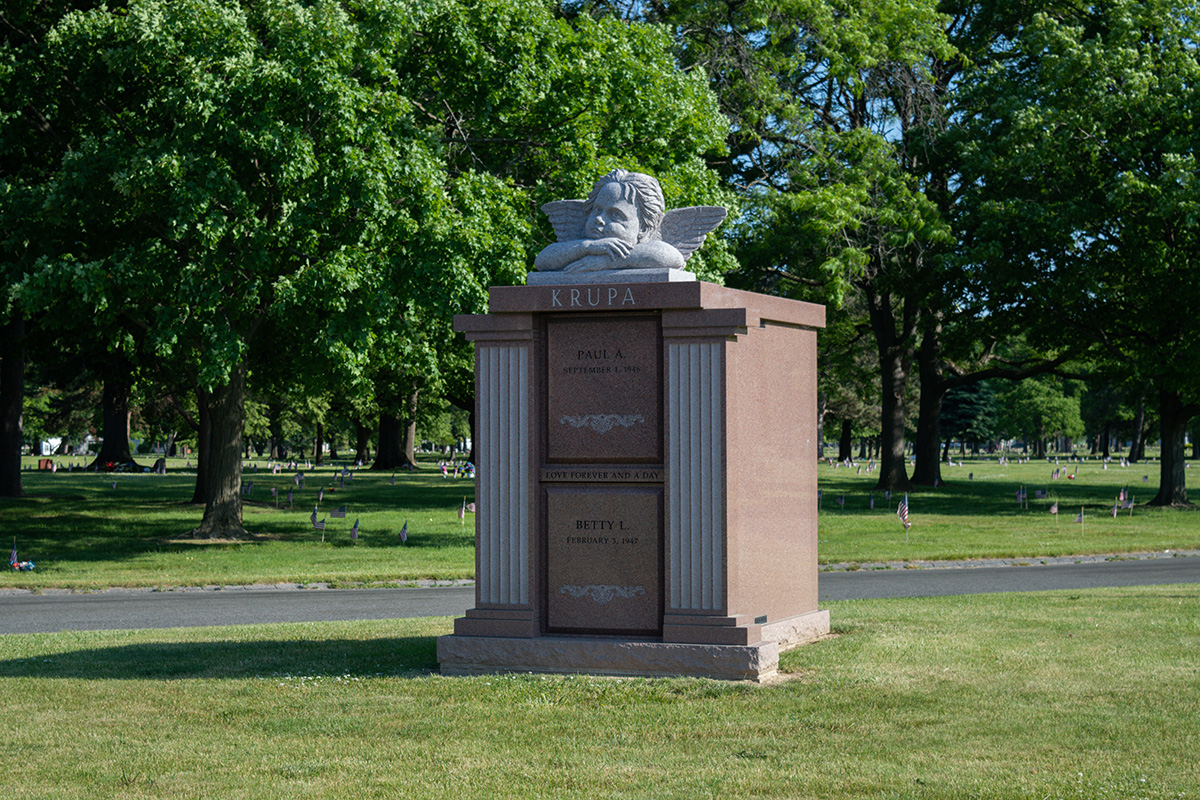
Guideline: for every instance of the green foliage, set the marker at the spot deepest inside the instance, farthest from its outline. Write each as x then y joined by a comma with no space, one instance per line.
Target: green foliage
1081,155
543,106
1041,407
970,414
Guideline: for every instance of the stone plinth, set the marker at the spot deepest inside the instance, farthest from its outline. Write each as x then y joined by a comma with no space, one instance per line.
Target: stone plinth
646,481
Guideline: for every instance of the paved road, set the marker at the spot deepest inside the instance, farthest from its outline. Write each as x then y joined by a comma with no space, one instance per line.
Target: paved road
112,610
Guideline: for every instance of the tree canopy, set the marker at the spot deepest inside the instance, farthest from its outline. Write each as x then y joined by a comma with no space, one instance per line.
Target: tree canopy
344,175
282,198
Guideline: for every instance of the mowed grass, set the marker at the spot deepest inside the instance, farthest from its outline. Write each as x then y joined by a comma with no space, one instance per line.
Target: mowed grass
975,514
84,534
1088,694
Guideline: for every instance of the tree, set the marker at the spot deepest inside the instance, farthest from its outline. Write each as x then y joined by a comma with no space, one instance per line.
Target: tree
224,162
353,168
969,414
1038,408
824,100
1083,170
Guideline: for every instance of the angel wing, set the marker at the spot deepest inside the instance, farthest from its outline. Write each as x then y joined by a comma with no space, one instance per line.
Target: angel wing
567,217
685,228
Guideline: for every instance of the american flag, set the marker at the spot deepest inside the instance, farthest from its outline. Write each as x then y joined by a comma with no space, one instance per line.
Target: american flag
1054,508
354,530
12,559
1079,519
314,516
338,513
902,513
1116,508
393,479
320,495
470,508
319,525
404,532
1128,504
462,512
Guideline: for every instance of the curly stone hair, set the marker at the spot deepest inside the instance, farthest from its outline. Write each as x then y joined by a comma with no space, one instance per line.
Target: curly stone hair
645,194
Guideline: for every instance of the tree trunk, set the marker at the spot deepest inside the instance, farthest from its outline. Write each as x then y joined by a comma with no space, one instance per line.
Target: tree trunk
397,438
319,445
275,428
820,427
203,446
362,443
410,433
471,425
1107,434
467,403
846,442
895,352
115,418
1137,448
389,453
1173,420
223,502
927,471
12,396
893,471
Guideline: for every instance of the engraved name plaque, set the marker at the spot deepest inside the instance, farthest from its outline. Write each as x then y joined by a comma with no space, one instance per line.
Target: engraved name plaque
603,560
604,379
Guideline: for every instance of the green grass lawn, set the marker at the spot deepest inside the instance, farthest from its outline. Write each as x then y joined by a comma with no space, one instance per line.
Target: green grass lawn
85,534
976,514
1088,694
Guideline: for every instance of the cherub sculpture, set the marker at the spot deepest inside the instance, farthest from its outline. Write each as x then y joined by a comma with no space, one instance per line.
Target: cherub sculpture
624,224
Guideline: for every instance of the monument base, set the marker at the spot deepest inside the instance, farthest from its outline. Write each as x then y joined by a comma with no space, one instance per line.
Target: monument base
484,655
659,275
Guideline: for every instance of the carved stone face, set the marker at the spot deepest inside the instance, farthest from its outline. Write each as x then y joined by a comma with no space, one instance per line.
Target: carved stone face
611,216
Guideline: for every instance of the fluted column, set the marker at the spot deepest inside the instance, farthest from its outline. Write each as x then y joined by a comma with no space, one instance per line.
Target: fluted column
695,470
505,440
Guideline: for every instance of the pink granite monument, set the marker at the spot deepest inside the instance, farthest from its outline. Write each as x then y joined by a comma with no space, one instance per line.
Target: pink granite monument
646,486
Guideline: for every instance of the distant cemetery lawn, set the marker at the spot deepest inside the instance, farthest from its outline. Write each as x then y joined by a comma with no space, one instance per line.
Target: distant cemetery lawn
1066,694
89,531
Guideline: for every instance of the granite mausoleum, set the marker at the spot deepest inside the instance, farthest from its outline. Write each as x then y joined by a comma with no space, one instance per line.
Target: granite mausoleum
646,490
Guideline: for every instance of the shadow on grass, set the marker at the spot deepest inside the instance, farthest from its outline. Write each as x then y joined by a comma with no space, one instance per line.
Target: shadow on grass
148,516
405,656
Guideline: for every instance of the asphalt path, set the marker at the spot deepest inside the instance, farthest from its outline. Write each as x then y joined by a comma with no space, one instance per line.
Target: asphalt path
22,612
